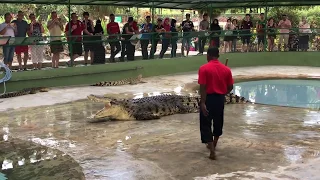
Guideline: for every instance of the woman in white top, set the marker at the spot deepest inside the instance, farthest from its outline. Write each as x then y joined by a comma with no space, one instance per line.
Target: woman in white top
304,31
228,35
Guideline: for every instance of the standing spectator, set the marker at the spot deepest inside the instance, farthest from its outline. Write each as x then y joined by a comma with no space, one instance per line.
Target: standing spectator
204,26
228,36
113,30
261,30
55,27
165,37
146,29
75,35
88,46
304,30
22,29
246,26
127,48
284,25
8,29
174,38
235,35
215,81
157,30
187,28
99,50
271,34
36,30
215,34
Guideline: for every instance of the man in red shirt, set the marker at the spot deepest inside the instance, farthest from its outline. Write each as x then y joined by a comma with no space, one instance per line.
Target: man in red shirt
113,31
77,27
215,81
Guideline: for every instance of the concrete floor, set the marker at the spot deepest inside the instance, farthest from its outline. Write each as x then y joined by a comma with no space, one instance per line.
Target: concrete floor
259,142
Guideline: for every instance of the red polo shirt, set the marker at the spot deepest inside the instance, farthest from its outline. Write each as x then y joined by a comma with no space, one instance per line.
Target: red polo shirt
77,31
113,28
216,76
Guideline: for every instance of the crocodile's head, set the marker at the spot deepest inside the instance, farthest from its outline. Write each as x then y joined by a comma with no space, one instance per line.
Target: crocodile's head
95,98
118,112
44,89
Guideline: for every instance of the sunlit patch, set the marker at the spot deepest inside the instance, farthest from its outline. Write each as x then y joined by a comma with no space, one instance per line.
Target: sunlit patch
177,90
138,95
7,164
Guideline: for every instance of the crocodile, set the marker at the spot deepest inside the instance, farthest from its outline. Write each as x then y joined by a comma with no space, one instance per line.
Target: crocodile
25,91
154,107
127,81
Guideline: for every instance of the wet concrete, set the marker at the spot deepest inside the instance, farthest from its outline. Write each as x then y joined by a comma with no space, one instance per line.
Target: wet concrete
256,139
259,142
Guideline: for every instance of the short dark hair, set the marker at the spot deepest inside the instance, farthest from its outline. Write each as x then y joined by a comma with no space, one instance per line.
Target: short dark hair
213,52
130,19
6,14
32,14
20,12
187,14
111,15
261,13
73,14
85,14
54,12
205,14
284,15
248,15
148,17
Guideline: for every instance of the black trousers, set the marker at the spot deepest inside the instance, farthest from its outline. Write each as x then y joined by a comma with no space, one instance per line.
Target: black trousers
215,106
127,49
144,48
153,50
115,49
165,45
202,43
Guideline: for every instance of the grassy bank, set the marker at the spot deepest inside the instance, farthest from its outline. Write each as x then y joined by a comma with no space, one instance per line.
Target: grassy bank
117,71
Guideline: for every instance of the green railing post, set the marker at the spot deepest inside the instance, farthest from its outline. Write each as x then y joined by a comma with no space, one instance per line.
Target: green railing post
69,33
266,29
152,33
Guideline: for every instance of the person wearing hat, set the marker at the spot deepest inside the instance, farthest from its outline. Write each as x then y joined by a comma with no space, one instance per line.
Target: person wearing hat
215,81
127,48
157,30
284,25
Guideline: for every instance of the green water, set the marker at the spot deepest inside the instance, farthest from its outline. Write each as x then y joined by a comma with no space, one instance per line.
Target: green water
292,93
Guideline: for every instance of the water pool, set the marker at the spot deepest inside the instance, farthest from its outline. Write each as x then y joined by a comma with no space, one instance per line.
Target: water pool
292,93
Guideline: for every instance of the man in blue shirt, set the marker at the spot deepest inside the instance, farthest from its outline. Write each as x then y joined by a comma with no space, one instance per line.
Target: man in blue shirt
146,29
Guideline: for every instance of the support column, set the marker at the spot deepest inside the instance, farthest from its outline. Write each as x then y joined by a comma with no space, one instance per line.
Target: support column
69,33
266,36
152,33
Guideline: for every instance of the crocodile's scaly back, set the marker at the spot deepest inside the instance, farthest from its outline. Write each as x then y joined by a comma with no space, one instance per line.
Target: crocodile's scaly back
25,91
126,81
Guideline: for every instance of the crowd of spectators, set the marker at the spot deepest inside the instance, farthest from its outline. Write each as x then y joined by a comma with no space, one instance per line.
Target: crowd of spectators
82,32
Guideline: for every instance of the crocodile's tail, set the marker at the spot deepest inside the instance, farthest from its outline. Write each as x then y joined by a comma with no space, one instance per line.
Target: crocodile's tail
235,99
111,83
15,94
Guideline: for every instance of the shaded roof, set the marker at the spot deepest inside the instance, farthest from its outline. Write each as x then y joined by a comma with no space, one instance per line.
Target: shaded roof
176,4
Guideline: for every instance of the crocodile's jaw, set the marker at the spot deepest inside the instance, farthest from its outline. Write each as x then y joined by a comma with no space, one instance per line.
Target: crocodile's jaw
114,112
96,98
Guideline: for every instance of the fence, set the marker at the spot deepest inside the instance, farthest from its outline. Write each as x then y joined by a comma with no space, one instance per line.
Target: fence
171,39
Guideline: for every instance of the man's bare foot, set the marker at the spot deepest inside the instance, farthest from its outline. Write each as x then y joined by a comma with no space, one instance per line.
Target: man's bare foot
212,155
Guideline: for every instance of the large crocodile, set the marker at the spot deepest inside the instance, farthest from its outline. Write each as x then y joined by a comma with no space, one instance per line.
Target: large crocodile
25,91
127,81
148,108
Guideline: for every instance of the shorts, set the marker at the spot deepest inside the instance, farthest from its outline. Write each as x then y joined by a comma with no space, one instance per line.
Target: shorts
88,46
37,53
186,41
76,49
8,53
21,49
284,38
261,39
56,47
246,39
228,38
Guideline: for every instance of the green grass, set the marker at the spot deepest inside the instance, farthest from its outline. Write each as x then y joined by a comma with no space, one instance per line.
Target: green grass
117,71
